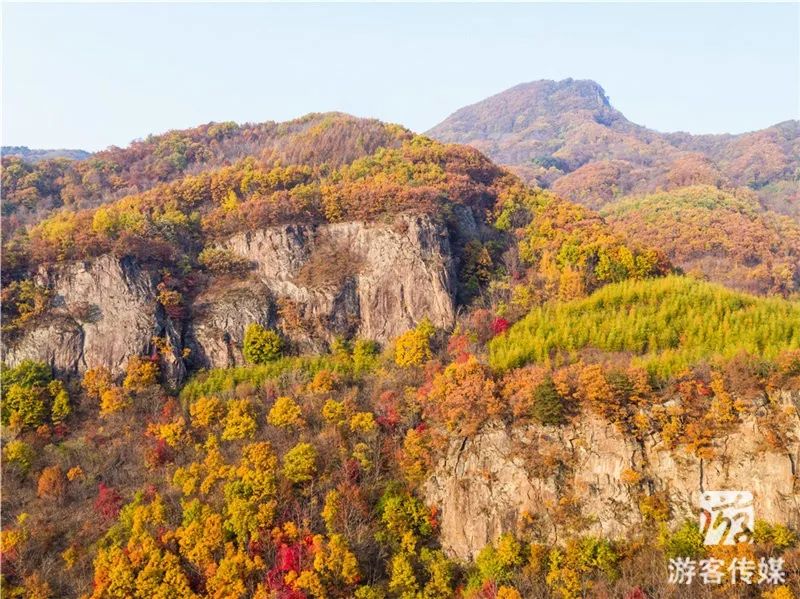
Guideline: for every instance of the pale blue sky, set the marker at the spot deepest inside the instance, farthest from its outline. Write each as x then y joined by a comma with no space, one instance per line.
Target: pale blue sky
91,75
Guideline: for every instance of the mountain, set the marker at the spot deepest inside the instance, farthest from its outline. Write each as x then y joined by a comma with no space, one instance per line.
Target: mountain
34,189
722,235
35,155
334,358
567,136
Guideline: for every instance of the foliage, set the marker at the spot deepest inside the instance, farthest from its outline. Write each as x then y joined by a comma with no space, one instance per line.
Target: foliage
724,235
113,400
51,484
669,323
22,302
285,413
299,463
261,345
685,541
206,411
18,453
140,374
570,250
412,348
462,397
30,396
239,422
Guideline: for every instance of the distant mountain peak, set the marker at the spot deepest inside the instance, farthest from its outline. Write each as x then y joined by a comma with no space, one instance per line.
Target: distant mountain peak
34,155
528,109
588,91
566,135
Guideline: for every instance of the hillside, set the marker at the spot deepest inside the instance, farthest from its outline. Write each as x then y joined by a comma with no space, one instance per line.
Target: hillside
566,135
667,324
334,359
35,155
34,189
309,248
722,235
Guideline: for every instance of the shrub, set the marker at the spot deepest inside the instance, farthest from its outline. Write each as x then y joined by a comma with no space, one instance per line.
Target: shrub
261,345
222,261
108,502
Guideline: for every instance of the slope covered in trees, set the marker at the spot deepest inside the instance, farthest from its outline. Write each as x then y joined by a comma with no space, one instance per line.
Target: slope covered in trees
566,135
33,189
303,476
669,324
724,236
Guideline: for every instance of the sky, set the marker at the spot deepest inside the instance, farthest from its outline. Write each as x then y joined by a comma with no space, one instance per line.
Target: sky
93,75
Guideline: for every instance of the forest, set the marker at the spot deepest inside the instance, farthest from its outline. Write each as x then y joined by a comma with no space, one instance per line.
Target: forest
298,474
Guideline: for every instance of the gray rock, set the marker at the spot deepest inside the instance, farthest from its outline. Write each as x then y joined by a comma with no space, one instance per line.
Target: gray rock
485,485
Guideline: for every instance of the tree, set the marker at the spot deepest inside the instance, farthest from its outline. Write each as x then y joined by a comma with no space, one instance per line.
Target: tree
96,381
141,373
113,400
261,345
285,413
548,406
412,348
51,484
239,422
108,502
299,463
20,454
29,394
463,397
206,411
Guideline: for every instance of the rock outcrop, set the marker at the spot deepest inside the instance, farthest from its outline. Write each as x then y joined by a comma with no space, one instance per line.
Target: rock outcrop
373,280
102,312
314,283
490,483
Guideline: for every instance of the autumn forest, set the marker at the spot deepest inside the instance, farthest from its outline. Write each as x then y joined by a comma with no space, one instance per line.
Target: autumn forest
334,358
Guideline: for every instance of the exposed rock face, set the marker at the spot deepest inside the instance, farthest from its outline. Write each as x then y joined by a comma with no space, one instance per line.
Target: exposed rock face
372,280
103,312
219,319
485,485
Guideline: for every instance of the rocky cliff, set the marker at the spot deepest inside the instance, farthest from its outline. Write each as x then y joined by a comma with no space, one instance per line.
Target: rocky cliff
502,479
314,283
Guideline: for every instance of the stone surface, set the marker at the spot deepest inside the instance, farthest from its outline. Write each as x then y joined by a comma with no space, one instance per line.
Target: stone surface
314,283
372,280
103,312
486,485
